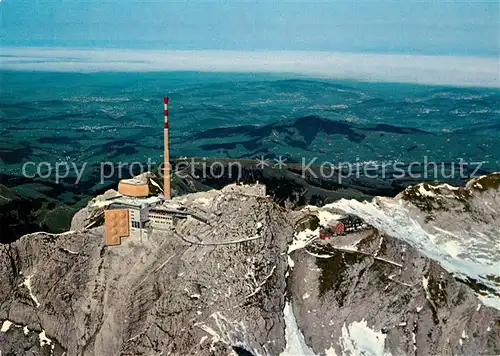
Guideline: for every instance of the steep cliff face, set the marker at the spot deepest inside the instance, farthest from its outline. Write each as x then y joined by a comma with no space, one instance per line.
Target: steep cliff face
457,226
248,282
380,296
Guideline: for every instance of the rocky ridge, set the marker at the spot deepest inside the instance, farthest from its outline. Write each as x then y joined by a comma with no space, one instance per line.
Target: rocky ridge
246,283
456,226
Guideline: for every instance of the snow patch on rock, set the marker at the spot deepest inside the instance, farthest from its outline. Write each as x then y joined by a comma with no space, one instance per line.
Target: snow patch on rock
301,240
295,343
358,339
27,284
424,192
6,326
44,340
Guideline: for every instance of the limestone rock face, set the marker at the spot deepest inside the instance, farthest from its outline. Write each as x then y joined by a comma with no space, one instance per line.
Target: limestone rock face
242,275
160,292
93,213
459,227
387,295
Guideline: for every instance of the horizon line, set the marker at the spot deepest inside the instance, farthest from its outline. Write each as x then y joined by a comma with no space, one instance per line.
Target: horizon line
429,69
483,54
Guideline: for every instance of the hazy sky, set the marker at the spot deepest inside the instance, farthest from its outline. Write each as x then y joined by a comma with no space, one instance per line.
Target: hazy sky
432,27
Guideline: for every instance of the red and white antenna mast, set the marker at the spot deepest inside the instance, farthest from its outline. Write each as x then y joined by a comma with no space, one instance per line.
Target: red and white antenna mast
166,155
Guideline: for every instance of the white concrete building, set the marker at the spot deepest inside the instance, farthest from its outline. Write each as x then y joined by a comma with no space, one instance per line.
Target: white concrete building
138,211
161,219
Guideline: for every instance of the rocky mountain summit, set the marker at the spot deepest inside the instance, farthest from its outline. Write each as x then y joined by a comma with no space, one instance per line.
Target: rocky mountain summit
244,276
457,226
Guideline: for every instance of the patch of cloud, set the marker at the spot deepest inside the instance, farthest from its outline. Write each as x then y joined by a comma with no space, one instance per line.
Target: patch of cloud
420,69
